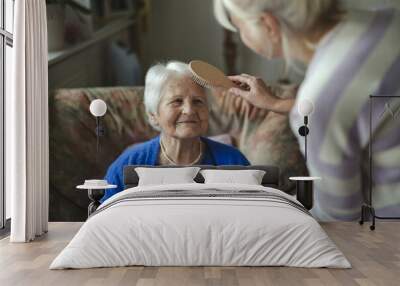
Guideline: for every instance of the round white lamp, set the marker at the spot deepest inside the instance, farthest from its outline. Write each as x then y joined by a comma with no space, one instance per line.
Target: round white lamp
305,107
98,108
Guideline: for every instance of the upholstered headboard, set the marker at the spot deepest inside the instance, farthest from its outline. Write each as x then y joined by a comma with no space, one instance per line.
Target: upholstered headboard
270,179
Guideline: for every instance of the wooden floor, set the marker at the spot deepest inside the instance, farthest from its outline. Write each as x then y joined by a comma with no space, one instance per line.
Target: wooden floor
375,257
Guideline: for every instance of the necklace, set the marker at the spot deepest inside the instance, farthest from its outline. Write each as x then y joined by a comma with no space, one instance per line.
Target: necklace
164,152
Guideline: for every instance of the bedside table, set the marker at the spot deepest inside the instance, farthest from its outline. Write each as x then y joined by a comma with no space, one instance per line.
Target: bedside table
95,193
305,193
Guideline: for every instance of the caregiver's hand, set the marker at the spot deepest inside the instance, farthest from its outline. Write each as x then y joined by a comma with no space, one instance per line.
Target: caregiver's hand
237,104
255,91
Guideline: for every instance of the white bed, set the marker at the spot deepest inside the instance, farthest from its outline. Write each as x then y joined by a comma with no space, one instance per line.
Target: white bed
222,225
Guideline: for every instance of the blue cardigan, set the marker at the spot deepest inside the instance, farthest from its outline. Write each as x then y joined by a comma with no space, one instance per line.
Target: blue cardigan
147,154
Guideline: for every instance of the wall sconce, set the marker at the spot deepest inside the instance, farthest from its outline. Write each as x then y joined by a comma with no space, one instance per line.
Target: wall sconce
305,108
98,108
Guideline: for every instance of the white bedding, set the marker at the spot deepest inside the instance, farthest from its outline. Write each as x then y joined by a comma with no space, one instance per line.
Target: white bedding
182,231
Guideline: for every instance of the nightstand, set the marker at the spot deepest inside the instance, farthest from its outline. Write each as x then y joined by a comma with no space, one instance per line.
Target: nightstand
305,193
95,193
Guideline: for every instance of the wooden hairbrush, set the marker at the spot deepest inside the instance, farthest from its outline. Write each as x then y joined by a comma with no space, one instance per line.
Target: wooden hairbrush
209,76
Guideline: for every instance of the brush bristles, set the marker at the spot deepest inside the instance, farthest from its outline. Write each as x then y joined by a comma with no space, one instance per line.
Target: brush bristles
201,81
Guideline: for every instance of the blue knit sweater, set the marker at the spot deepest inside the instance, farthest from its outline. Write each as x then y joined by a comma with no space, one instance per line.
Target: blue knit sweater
147,154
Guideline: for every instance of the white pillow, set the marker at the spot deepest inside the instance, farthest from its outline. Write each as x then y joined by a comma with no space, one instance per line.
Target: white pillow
248,177
163,176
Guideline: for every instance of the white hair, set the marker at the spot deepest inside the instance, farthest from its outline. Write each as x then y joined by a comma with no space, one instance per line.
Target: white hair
156,79
296,17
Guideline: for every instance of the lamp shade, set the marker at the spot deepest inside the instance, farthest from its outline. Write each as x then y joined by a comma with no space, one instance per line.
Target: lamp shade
98,107
305,107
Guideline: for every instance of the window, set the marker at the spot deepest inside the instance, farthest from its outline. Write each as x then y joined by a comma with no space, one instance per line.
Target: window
6,43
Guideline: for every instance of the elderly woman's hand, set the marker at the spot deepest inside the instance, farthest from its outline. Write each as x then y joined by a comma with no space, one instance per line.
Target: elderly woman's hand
254,90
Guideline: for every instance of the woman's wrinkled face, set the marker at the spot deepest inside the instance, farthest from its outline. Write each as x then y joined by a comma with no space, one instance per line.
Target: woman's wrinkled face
183,110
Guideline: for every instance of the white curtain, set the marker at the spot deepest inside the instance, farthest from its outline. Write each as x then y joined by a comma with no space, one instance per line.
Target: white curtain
27,147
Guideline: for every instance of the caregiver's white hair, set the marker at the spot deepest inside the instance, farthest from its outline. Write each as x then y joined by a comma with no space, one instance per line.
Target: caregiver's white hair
296,17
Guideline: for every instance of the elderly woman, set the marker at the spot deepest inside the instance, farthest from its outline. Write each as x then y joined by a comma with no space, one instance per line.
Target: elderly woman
348,56
178,108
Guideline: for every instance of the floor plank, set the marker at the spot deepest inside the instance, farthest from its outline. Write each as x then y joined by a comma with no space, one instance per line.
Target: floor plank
375,257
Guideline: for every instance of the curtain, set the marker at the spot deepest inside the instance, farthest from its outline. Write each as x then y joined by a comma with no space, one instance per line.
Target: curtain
27,147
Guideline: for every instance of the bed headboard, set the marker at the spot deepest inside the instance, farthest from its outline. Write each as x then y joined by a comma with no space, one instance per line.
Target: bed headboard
270,179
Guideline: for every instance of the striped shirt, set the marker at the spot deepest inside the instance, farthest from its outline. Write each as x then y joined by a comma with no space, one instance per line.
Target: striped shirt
358,58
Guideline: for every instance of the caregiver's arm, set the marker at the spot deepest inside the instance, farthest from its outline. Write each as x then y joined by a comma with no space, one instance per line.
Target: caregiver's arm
255,91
